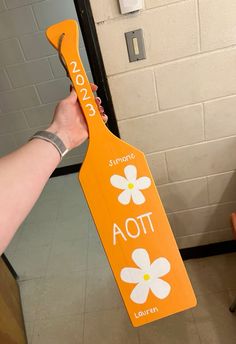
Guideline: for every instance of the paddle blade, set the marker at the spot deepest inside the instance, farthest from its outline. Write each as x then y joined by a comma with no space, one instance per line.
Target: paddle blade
134,231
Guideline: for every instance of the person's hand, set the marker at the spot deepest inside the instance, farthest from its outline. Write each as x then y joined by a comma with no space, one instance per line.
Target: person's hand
69,122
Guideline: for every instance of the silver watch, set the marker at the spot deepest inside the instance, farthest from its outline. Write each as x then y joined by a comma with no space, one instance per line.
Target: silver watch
54,139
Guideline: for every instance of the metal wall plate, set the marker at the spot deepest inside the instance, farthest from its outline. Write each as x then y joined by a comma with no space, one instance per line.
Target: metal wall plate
135,45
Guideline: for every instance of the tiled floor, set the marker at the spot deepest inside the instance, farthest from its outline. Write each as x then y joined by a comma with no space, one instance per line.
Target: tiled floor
69,294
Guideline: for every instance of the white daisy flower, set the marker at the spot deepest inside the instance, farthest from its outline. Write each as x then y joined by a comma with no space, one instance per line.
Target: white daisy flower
131,185
147,276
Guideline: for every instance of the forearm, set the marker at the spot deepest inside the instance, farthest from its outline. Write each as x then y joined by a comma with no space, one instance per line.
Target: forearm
24,172
23,175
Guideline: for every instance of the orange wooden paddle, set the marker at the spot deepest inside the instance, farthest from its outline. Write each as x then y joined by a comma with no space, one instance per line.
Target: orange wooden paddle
125,206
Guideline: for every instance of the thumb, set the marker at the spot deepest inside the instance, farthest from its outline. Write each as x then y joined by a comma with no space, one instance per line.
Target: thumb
73,96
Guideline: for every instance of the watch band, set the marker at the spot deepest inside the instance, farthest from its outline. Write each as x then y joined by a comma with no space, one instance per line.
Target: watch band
54,139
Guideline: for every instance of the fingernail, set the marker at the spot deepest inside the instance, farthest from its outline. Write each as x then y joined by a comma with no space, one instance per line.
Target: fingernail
99,99
91,83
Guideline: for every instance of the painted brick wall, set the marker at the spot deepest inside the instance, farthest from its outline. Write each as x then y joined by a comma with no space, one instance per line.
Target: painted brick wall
179,105
32,80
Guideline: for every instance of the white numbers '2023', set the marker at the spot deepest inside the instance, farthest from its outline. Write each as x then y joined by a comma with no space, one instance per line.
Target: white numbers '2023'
79,79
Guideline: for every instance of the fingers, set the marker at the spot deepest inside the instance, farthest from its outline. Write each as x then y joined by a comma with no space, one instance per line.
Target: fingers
72,96
101,109
93,87
105,118
98,100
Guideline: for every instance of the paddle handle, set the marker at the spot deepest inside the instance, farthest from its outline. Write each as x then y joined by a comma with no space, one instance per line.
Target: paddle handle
85,94
67,33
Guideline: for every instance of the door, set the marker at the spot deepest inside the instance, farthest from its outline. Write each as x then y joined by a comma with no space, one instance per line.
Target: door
12,329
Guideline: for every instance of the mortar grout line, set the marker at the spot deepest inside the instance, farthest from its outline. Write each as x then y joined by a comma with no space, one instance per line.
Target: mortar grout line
26,121
167,169
36,84
38,96
165,5
28,61
181,181
22,52
198,24
203,235
199,143
156,92
20,6
16,89
178,59
160,112
8,78
29,108
204,121
202,207
178,107
34,17
208,191
50,66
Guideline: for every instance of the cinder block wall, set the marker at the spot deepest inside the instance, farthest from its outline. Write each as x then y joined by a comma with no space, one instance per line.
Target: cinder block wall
179,105
32,80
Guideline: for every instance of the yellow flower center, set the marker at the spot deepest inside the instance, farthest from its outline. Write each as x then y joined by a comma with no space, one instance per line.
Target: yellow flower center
130,185
146,277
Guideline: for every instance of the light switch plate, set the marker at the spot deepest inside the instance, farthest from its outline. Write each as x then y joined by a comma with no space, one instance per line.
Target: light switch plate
129,6
135,45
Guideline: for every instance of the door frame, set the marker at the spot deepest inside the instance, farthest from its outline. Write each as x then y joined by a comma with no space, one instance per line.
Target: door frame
9,266
88,29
